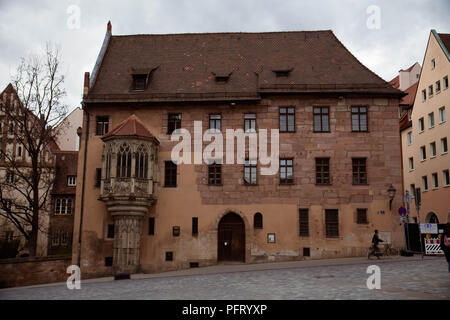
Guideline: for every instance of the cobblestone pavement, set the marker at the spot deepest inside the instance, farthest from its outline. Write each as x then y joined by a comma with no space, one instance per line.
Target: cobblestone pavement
420,279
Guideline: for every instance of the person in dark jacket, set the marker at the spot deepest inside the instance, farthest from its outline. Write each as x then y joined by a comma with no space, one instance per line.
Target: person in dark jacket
375,241
445,244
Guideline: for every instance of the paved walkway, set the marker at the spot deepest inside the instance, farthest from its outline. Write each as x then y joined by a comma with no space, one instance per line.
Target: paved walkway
401,278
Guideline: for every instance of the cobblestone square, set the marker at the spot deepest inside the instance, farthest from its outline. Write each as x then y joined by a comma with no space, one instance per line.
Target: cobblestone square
400,279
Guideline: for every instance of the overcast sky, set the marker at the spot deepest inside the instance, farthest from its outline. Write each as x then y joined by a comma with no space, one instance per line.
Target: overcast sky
400,40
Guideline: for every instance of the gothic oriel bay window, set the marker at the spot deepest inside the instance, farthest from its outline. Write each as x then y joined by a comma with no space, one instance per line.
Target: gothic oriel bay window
128,186
124,162
141,163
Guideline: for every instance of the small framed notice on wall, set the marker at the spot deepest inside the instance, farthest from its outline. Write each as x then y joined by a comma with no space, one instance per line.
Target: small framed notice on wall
271,238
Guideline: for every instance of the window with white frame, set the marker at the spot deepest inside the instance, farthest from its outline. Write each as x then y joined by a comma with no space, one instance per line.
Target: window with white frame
425,183
431,120
421,125
423,153
446,177
430,91
444,147
409,138
63,206
438,86
71,181
434,178
442,114
432,149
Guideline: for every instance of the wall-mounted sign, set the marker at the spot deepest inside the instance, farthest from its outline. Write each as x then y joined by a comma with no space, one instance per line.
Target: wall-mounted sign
428,228
271,238
402,211
380,212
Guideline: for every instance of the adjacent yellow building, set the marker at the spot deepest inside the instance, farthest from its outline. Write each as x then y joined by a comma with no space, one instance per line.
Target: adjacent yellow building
426,162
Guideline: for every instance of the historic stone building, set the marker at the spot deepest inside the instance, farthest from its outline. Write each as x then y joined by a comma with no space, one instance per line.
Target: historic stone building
339,152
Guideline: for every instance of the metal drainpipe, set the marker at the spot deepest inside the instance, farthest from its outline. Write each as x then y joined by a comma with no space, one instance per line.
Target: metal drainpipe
82,188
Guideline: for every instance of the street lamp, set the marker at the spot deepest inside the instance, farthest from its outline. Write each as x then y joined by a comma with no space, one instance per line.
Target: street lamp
391,192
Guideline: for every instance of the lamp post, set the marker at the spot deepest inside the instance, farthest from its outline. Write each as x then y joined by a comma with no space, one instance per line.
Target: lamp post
391,192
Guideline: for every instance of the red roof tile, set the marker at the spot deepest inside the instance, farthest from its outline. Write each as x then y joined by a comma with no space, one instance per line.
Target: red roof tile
131,126
411,95
186,64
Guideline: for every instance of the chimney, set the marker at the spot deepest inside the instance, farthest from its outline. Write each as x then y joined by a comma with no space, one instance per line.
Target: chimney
109,27
86,84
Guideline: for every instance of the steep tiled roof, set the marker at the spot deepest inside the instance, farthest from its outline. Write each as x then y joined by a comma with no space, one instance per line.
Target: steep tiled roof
53,146
131,126
445,38
184,66
395,82
411,94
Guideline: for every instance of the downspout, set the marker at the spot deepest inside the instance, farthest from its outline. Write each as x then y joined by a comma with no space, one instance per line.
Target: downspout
82,188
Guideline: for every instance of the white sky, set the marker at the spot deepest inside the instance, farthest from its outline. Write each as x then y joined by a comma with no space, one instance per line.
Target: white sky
26,26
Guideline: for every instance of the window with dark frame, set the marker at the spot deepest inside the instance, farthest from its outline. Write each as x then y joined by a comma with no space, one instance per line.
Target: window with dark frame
332,223
250,122
258,221
195,226
321,119
139,82
170,174
215,174
102,124
108,261
323,171
306,252
63,206
359,119
359,171
169,256
287,119
361,216
98,177
303,215
250,172
151,226
174,122
286,171
110,233
215,122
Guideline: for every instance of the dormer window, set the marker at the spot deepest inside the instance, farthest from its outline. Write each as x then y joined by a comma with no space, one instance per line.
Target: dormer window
139,82
285,72
282,73
222,79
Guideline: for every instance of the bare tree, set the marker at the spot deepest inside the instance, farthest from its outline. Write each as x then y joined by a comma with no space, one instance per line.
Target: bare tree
31,129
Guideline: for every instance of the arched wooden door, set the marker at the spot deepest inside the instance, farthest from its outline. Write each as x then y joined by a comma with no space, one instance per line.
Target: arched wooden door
231,238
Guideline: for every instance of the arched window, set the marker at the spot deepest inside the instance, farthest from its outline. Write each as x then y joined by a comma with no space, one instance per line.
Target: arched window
124,161
431,218
141,162
258,221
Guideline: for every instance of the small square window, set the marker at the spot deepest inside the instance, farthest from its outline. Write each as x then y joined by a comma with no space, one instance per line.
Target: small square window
71,181
271,238
169,256
361,217
306,252
139,82
176,231
108,261
102,124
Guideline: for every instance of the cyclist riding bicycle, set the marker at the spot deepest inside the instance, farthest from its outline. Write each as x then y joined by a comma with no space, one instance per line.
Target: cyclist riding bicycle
375,241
